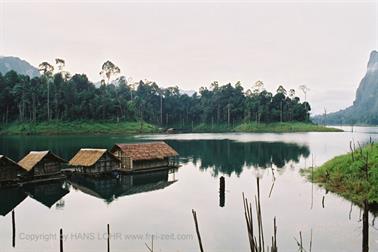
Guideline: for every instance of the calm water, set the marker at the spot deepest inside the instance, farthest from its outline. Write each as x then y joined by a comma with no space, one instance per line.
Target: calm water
160,204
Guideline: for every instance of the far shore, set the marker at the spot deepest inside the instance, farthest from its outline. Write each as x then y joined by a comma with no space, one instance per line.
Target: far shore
133,128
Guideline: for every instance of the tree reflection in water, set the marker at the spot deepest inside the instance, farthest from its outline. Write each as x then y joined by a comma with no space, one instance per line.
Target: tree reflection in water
228,157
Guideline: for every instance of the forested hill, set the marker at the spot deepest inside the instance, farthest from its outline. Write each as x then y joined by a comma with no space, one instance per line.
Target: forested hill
365,107
58,95
16,64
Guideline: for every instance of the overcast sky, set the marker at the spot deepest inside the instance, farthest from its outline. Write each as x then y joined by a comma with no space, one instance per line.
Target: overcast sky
322,44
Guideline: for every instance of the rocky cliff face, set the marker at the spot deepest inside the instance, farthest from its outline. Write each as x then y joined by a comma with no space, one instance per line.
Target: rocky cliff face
369,84
16,64
365,107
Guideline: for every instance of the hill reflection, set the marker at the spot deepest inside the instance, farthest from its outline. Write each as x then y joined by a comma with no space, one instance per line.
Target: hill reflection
227,157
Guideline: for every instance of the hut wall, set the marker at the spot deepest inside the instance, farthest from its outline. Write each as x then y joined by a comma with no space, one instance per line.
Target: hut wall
47,167
9,172
125,161
150,164
103,165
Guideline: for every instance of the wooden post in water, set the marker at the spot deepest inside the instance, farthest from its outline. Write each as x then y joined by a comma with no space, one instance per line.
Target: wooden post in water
108,238
197,230
13,230
61,239
222,188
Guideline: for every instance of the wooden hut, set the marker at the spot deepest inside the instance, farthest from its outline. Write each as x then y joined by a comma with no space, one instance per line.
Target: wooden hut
10,171
94,161
144,156
42,164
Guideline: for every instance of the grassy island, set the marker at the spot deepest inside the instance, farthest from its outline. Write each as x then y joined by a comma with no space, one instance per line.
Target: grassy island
353,176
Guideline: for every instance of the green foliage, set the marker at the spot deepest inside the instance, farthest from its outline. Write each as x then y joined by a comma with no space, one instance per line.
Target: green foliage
284,127
347,176
265,127
78,127
61,97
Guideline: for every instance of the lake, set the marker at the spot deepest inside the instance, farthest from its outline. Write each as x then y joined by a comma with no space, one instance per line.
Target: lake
160,204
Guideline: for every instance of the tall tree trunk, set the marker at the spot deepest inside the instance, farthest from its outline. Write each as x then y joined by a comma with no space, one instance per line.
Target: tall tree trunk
34,108
228,115
161,110
7,114
20,112
218,113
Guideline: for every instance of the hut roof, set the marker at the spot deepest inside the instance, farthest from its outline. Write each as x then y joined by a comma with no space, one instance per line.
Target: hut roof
5,159
146,151
34,157
88,157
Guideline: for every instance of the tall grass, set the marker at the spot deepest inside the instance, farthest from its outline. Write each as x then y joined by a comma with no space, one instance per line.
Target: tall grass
353,175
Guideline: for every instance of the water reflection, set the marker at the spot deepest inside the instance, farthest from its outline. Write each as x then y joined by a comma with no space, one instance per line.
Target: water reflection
107,188
112,188
10,198
227,157
47,193
365,228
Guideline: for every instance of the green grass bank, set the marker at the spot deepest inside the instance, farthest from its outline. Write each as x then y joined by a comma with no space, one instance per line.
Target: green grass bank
353,176
76,127
285,127
97,127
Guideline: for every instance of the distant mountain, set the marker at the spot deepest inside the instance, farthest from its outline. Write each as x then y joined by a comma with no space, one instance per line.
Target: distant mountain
18,65
365,107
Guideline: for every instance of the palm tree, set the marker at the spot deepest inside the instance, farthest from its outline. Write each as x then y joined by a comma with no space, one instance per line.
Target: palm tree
47,71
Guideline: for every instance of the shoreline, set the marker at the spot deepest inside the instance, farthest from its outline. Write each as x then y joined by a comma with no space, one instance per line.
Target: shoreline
57,128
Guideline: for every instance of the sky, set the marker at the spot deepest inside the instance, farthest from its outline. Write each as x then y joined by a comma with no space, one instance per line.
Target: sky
324,45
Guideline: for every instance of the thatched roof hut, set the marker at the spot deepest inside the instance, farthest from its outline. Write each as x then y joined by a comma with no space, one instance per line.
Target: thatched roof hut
146,151
35,158
95,160
149,155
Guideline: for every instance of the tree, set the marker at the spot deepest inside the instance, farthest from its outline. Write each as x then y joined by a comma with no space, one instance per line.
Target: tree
47,70
75,98
108,70
304,89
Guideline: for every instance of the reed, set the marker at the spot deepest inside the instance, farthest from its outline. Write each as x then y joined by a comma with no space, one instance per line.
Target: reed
256,240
